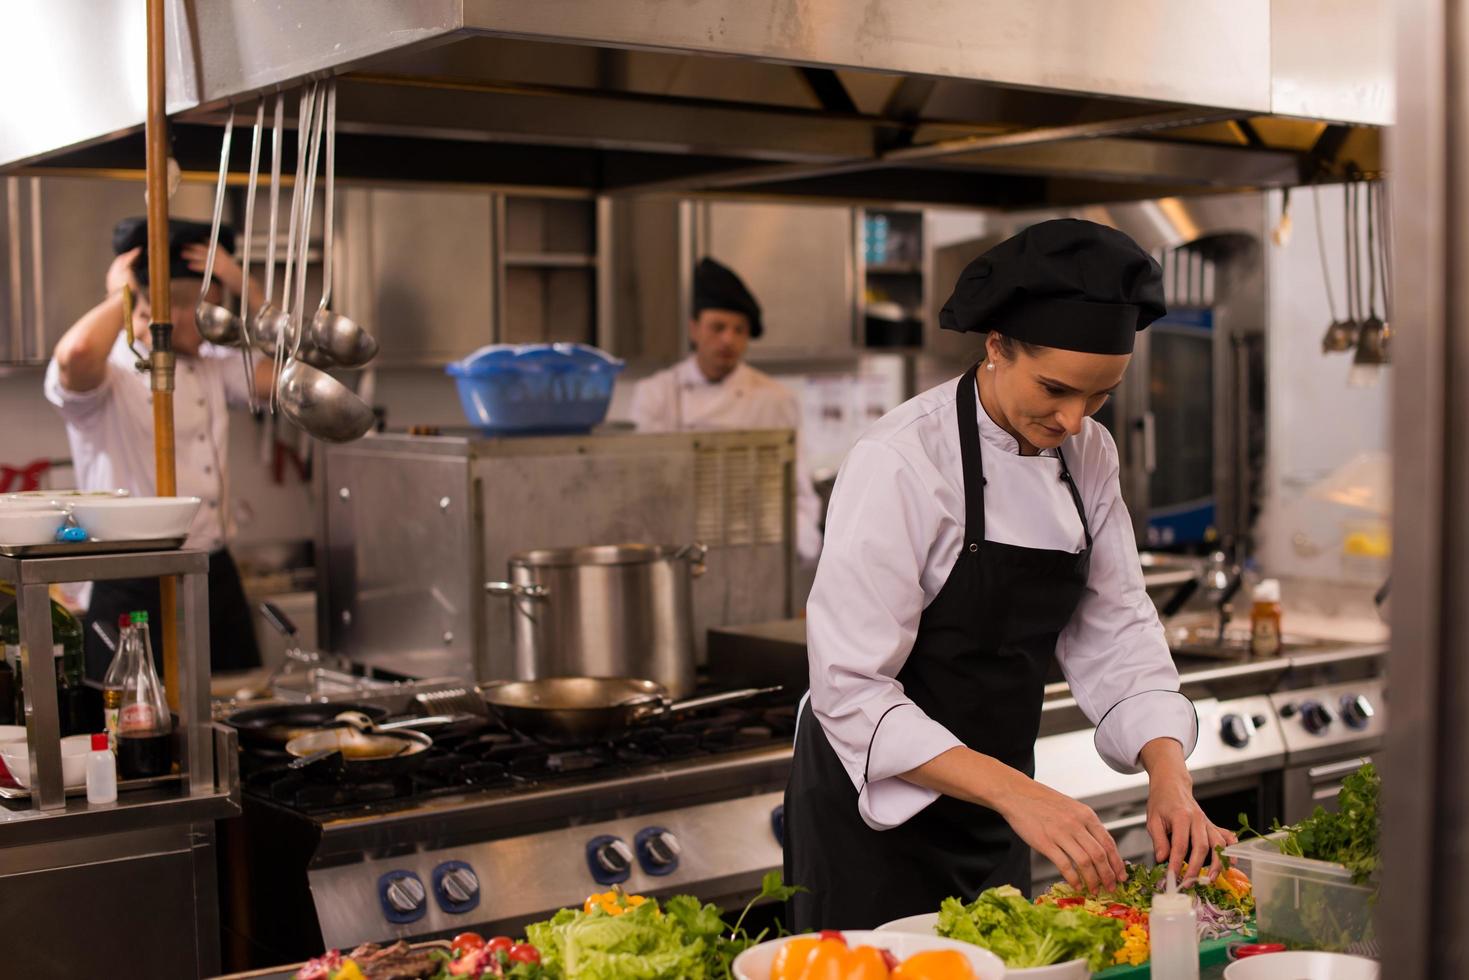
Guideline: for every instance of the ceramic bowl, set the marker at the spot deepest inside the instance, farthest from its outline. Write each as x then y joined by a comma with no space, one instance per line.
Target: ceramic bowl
74,749
133,518
927,923
28,527
755,962
1304,965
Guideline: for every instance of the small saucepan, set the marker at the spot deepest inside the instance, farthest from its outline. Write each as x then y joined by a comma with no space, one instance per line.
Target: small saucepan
572,710
360,756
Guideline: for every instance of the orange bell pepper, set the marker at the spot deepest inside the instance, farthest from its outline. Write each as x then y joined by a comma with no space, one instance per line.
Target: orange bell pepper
937,964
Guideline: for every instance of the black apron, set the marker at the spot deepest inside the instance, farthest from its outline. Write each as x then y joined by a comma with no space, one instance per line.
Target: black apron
978,667
231,630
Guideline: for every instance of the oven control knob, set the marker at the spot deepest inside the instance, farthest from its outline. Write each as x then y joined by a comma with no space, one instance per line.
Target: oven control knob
1259,720
1316,717
459,886
1356,711
610,860
658,851
1235,730
778,823
403,896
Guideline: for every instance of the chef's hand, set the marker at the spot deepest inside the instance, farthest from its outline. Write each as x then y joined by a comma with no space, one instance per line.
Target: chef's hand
120,272
226,269
1180,830
1069,834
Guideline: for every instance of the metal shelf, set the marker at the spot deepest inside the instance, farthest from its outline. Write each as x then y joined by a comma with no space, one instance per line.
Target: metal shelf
32,578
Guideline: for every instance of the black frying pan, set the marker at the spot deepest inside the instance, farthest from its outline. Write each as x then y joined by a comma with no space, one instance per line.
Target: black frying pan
272,726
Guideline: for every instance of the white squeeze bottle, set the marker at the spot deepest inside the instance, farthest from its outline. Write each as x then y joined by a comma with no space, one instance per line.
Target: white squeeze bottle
1173,927
101,771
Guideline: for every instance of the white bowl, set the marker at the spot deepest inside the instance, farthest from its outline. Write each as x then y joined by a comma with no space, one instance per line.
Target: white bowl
23,527
54,498
755,962
9,733
74,749
927,925
133,518
1303,965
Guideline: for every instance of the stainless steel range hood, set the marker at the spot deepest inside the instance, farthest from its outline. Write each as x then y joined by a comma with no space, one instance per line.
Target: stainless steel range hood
977,102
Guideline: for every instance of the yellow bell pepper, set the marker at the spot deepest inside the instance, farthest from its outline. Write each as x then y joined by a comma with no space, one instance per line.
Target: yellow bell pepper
349,971
1136,946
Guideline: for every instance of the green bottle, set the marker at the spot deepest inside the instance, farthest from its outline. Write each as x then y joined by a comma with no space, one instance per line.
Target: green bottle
66,639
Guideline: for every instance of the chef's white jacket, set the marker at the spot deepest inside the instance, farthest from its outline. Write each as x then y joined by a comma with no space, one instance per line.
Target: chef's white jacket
681,399
894,529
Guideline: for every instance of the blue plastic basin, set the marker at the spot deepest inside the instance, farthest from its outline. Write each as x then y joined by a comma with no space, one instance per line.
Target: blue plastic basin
513,389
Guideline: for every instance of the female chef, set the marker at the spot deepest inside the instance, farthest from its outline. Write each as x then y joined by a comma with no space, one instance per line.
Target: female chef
975,532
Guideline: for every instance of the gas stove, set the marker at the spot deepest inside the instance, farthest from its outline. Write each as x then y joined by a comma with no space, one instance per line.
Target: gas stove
496,830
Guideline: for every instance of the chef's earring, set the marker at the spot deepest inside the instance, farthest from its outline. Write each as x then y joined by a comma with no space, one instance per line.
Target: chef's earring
989,365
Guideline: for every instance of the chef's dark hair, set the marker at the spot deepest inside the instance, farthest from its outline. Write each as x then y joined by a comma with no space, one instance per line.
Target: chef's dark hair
1009,346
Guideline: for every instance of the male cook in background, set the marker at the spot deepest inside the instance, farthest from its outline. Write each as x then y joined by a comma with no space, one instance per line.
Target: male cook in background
713,388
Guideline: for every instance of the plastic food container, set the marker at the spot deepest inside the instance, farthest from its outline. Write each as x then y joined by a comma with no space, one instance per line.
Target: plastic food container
1305,904
511,389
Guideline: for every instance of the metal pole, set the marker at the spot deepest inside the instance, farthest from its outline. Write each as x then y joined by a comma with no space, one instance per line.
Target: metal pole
161,361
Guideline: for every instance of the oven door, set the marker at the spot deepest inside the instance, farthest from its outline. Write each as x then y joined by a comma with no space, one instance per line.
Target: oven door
1307,787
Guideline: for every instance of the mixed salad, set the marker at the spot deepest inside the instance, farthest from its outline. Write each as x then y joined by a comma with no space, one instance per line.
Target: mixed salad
1106,928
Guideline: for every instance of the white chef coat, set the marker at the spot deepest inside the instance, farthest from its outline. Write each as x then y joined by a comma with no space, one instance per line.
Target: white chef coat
111,431
895,525
681,399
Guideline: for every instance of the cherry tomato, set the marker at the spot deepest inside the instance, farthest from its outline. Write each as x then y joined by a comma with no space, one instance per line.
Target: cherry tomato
833,935
498,943
524,953
467,942
1066,903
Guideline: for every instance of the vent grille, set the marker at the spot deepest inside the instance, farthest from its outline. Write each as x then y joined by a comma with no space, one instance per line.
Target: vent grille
740,495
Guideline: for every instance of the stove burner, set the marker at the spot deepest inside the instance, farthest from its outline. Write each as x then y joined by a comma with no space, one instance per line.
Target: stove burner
498,759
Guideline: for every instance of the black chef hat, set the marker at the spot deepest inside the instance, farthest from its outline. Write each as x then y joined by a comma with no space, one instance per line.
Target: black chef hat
133,233
718,288
1072,284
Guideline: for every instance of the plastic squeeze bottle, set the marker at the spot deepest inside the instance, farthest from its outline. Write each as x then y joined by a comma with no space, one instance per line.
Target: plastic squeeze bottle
1173,927
101,771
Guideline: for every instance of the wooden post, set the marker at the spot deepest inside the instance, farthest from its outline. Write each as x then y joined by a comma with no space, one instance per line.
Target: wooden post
162,358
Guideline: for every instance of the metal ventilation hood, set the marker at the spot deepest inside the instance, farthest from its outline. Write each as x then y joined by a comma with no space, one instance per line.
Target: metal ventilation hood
975,102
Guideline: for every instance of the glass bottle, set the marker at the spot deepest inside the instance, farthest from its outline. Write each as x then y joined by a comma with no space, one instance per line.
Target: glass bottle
112,684
66,649
144,726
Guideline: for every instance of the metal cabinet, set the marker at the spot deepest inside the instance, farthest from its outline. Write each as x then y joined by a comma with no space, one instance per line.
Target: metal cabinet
55,247
798,261
416,266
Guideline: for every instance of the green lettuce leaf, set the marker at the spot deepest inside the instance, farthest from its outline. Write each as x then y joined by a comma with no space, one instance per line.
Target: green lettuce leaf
1026,935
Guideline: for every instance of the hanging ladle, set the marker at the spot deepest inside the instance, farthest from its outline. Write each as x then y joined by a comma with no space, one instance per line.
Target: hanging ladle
1372,339
265,317
273,331
216,323
245,342
341,338
1341,334
311,398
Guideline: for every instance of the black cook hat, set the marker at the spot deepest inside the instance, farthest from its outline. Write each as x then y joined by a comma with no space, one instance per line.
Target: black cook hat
716,287
1066,283
133,233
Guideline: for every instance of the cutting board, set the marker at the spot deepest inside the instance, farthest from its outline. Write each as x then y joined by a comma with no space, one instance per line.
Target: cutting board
1212,952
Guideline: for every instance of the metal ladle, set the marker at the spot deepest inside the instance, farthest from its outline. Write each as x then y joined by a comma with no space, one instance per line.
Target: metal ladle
217,324
311,398
246,344
273,333
265,317
1372,340
1341,333
340,337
